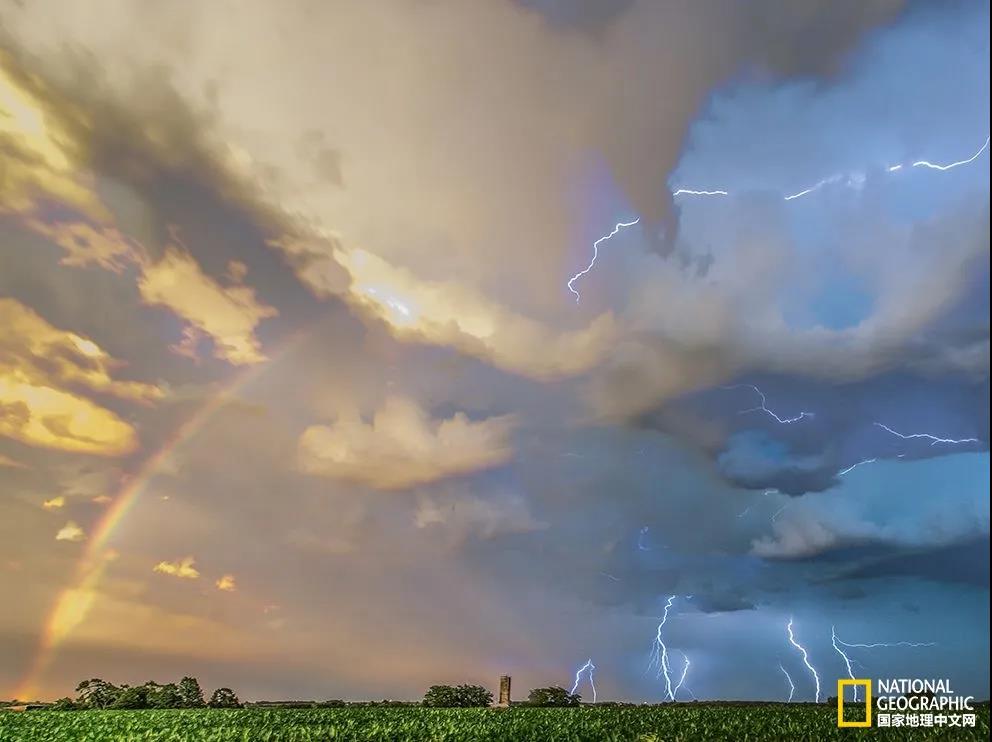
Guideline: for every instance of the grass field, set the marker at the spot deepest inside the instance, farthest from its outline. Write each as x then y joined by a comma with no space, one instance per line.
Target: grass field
649,724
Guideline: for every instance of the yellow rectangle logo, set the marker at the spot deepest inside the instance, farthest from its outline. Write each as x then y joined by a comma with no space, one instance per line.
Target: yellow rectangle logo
843,683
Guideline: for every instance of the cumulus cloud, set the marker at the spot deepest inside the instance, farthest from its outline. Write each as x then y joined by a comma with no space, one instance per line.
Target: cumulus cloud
181,568
462,516
228,314
922,505
55,503
226,583
70,532
445,313
40,368
403,446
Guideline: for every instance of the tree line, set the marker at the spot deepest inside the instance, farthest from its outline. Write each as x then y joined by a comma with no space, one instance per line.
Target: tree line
472,696
186,694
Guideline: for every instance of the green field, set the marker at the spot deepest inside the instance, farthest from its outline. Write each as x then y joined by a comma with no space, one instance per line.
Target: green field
374,724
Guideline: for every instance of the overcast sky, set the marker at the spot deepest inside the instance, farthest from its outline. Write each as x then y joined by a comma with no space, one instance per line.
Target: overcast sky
298,393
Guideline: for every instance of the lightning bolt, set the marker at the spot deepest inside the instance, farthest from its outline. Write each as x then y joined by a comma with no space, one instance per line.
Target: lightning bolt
805,654
690,192
815,187
659,651
763,494
837,643
850,178
763,407
847,660
875,645
852,467
792,686
589,668
595,254
685,671
951,166
934,440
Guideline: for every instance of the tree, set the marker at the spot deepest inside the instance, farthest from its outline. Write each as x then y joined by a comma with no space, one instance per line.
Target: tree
96,693
224,698
163,696
65,704
553,696
190,695
131,698
457,696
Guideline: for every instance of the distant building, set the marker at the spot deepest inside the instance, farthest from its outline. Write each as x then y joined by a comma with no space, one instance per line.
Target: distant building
504,692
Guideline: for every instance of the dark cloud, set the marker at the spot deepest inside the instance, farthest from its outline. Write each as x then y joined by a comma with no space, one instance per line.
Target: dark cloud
966,563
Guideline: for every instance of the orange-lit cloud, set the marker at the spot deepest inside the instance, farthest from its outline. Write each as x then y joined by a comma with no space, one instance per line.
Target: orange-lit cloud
85,244
54,504
70,532
36,158
448,313
226,583
403,446
34,348
40,368
181,568
228,314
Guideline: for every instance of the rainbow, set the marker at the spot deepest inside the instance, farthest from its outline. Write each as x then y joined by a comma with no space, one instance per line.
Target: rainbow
72,605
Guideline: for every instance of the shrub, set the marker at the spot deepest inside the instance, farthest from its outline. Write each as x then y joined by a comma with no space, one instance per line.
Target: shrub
457,696
224,698
131,698
553,697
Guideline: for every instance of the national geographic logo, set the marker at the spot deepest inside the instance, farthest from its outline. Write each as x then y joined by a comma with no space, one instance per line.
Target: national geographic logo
907,702
846,683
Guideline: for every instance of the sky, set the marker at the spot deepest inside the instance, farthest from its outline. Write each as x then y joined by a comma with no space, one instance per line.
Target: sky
318,381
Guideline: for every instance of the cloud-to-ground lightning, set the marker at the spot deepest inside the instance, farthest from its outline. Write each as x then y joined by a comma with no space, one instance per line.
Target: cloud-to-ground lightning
792,686
805,654
595,254
847,660
934,440
685,671
589,668
659,651
951,166
852,467
763,407
837,643
850,178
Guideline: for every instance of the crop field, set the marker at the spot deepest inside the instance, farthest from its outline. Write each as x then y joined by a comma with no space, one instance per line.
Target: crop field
377,724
